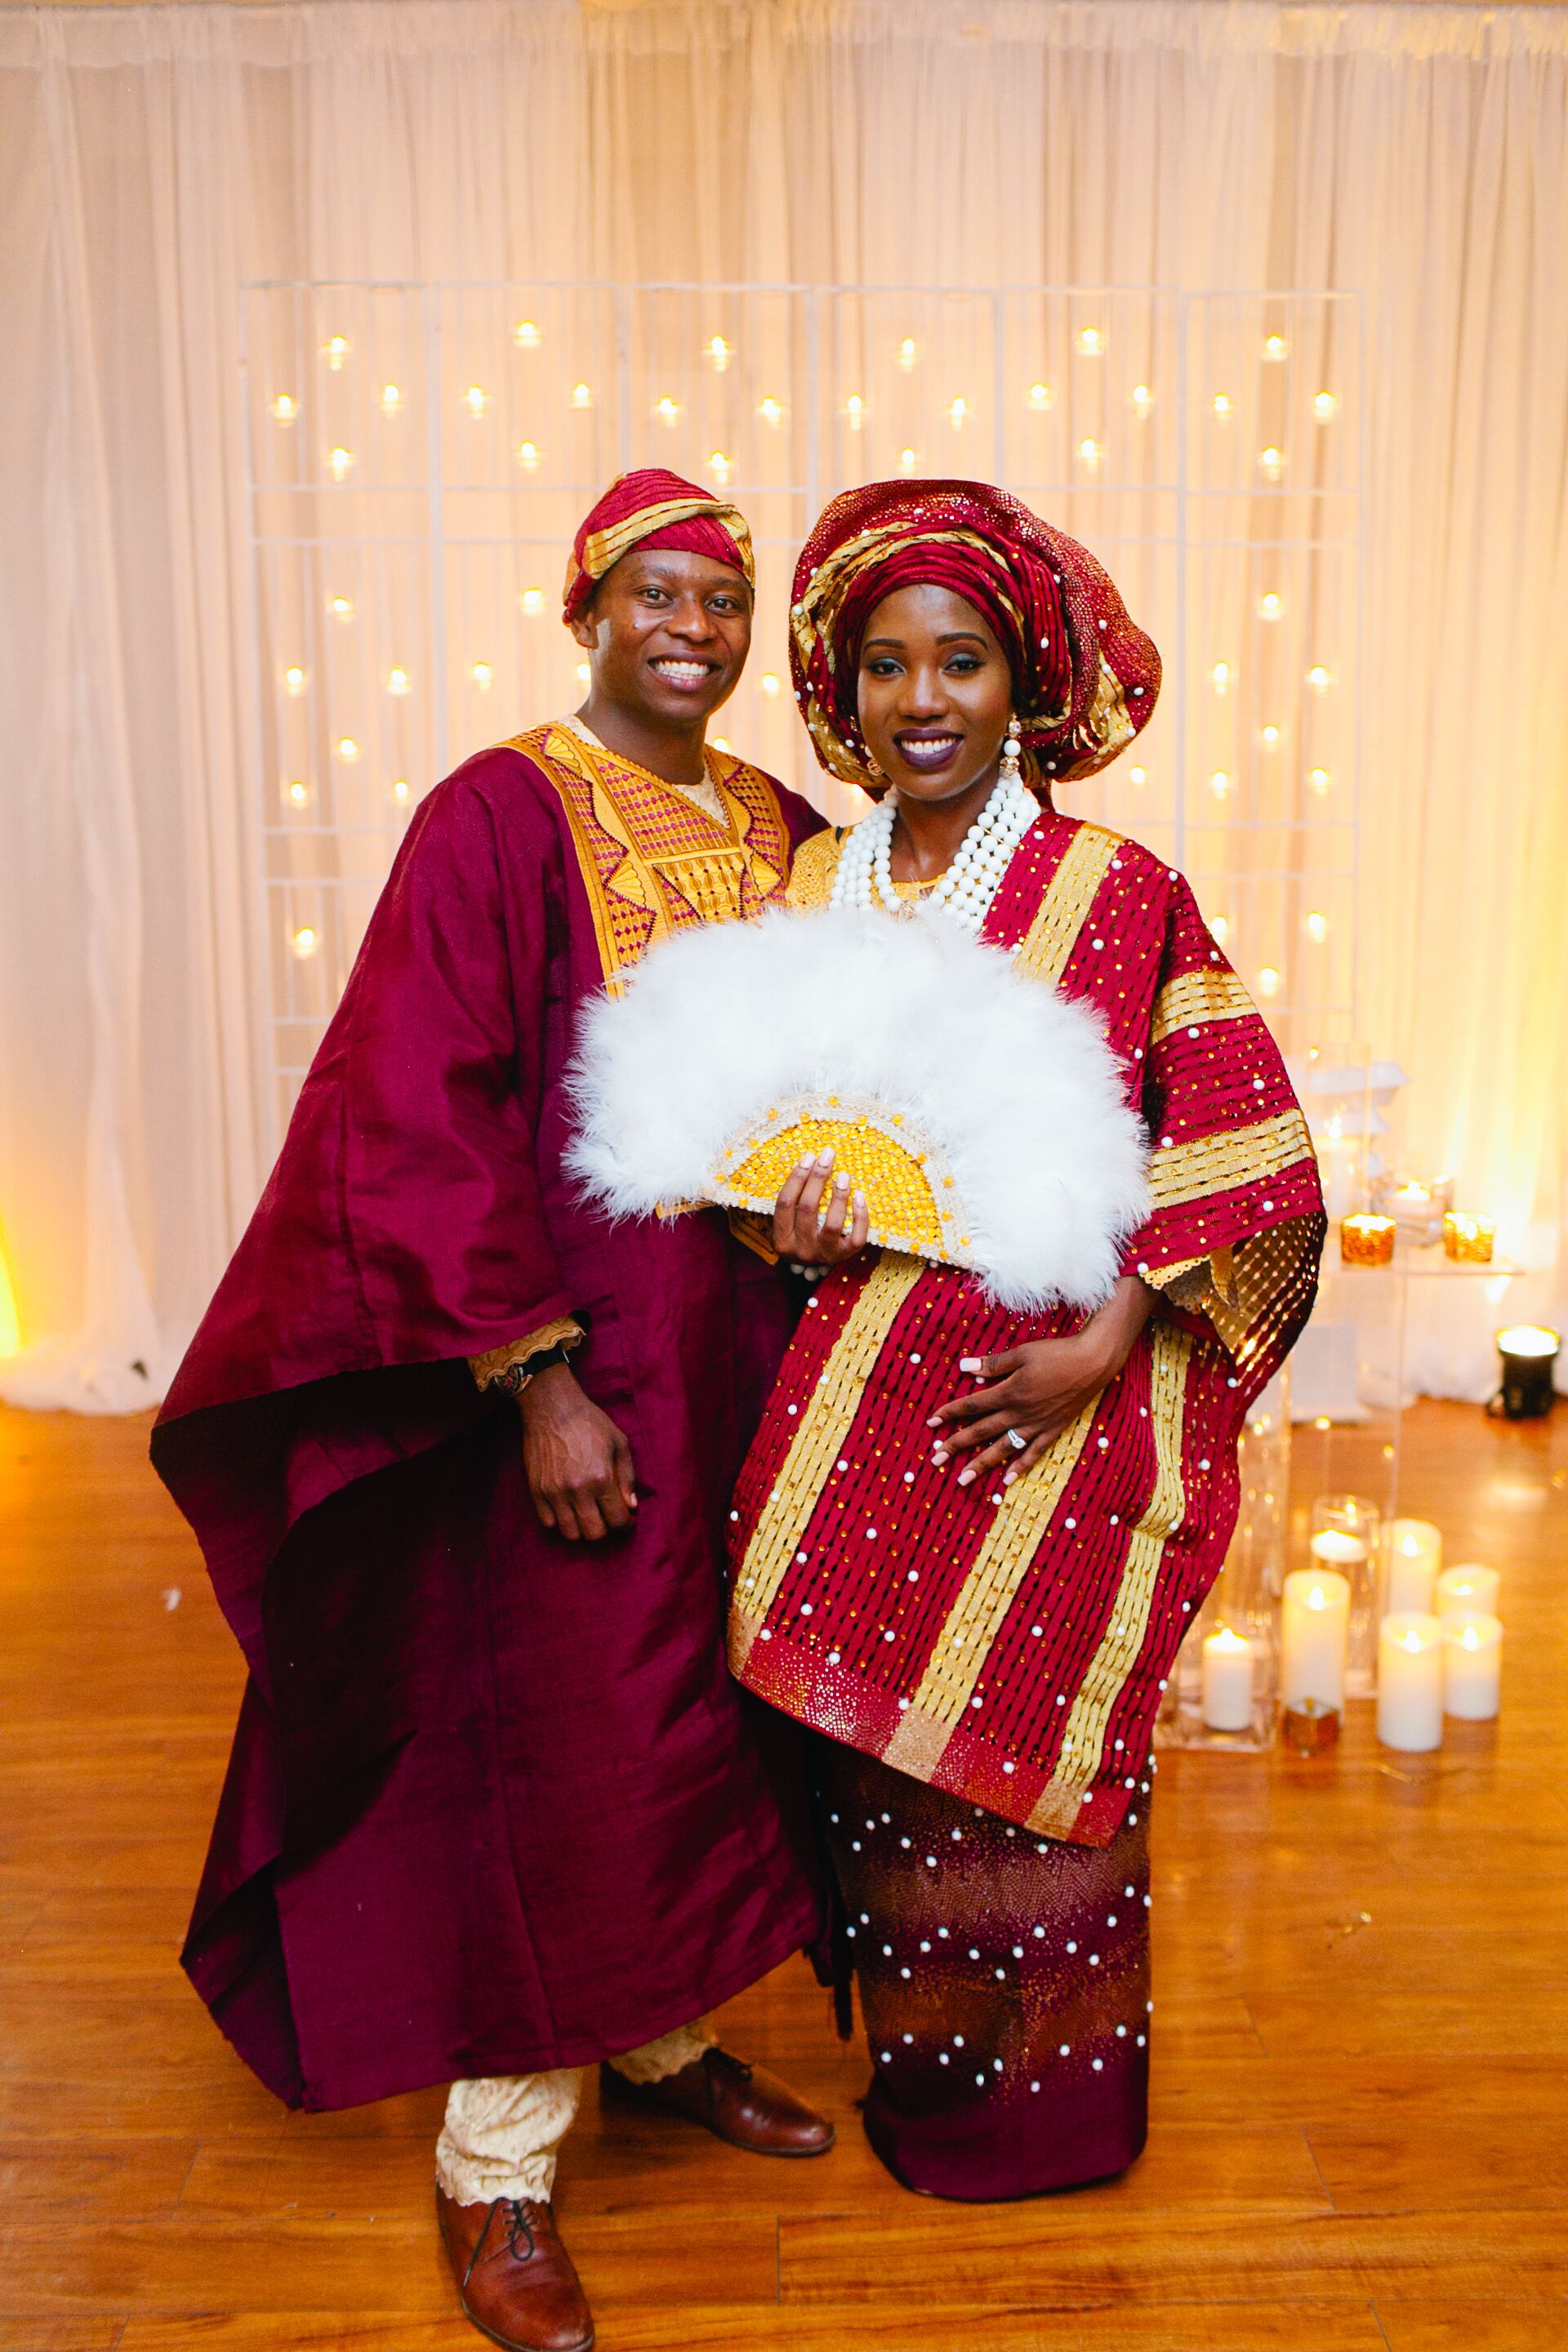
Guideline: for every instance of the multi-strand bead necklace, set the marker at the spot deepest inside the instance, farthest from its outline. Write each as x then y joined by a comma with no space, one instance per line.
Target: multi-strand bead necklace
865,877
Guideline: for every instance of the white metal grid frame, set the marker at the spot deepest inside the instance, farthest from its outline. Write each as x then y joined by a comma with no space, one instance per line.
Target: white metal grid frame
419,456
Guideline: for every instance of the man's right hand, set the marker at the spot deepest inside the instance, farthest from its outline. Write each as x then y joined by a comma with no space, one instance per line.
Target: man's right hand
579,1464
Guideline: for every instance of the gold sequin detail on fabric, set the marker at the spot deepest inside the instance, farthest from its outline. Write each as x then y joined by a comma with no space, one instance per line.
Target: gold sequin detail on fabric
825,1423
1195,997
1083,1743
989,1589
902,1210
1217,1163
1050,941
811,876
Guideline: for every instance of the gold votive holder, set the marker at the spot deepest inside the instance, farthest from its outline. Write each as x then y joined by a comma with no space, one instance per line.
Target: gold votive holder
1366,1239
1309,1728
1468,1240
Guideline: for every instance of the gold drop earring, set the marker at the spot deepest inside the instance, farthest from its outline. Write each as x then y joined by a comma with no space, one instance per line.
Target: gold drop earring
1008,770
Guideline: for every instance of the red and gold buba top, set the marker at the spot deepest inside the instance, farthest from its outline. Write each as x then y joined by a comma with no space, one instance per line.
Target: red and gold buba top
1009,1644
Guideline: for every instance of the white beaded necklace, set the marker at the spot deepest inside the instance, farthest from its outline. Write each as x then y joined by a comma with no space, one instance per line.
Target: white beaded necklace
966,891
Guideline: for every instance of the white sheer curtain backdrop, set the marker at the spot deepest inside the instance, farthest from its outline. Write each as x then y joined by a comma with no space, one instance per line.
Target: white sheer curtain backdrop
153,159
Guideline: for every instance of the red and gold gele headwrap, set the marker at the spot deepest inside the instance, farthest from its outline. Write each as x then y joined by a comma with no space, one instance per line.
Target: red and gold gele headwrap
651,507
1085,677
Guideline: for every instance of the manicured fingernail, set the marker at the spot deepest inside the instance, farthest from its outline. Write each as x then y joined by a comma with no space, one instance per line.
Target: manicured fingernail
939,1458
825,1158
966,1477
969,1363
802,1165
841,1181
1009,1478
860,1199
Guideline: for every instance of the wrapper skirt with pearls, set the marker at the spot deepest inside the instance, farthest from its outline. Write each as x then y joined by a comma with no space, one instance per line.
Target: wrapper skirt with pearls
1003,1983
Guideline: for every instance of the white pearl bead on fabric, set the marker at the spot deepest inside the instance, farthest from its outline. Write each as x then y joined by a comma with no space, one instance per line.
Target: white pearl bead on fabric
864,878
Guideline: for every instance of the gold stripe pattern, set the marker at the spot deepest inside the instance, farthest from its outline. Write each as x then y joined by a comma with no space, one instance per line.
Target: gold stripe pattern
1195,997
1238,1155
1083,1743
1043,953
987,1594
811,875
823,1424
602,549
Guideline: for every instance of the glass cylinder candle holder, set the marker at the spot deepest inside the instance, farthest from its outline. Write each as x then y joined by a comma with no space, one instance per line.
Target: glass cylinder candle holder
1467,1590
1472,1665
1345,1537
1528,1354
1416,1204
1466,1240
1412,1556
1366,1239
1410,1682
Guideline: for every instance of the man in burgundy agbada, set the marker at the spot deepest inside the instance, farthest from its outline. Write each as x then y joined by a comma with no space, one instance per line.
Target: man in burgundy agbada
459,1453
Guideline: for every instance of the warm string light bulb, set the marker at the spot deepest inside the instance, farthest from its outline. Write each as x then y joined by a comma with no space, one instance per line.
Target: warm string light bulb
719,353
305,941
1138,778
770,683
476,400
1319,678
1090,455
908,354
1324,407
855,412
1219,927
667,409
1268,981
1219,784
718,465
1141,400
297,792
1091,343
528,456
337,349
339,462
1271,463
1271,606
285,408
294,679
1040,397
1321,781
1276,348
400,791
526,335
771,411
1219,676
582,396
391,399
1223,406
341,608
958,414
482,675
584,673
532,602
397,681
1317,926
907,461
1269,738
348,750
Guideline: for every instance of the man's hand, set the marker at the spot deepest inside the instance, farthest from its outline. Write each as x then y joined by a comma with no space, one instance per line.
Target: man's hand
1039,1389
810,1234
579,1464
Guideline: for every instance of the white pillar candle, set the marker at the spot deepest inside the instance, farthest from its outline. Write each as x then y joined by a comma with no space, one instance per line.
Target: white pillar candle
1414,1554
1410,1681
1472,1665
1313,1636
1227,1681
1466,1589
1337,1549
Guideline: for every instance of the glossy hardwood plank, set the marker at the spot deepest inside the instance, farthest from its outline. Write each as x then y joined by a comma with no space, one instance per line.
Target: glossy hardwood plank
1471,2328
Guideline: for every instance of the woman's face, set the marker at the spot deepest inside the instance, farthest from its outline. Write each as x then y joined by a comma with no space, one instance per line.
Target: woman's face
935,693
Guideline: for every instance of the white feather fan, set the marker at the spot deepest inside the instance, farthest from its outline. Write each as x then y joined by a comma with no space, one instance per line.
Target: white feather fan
984,1114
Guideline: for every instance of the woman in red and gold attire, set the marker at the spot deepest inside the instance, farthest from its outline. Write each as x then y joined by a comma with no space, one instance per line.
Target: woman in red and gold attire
967,1542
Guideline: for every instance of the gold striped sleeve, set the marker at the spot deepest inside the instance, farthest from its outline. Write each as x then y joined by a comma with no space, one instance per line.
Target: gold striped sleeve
1195,997
812,870
1046,944
1083,1742
823,1424
1214,1163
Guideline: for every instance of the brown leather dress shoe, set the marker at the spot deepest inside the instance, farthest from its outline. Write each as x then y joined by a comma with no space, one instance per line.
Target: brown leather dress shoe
514,2275
744,2104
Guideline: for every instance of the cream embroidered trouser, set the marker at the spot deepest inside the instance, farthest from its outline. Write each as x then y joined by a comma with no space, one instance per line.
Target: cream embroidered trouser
503,2131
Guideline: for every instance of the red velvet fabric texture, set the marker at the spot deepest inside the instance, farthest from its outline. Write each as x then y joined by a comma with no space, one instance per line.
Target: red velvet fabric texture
1004,1984
494,1802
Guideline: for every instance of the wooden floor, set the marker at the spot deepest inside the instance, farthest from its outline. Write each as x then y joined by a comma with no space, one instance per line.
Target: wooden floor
1360,2033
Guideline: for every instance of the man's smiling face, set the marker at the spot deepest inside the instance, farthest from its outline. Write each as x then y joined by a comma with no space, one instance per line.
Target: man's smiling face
668,635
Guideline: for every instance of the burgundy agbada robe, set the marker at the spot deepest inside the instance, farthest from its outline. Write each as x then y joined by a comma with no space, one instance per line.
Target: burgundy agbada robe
494,1802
